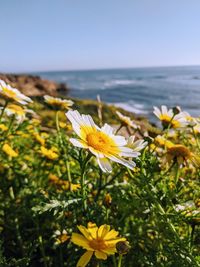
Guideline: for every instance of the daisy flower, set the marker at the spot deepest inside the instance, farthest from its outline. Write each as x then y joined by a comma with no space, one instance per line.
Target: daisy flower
100,141
13,94
138,145
181,154
126,121
58,102
18,112
100,241
168,118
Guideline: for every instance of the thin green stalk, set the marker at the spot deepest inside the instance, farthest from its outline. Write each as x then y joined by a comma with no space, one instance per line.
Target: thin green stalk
64,149
196,139
10,125
176,173
192,236
121,125
120,261
100,180
40,239
18,234
83,167
3,109
57,121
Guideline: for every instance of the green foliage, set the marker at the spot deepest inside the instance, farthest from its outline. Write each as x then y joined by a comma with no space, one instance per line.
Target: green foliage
155,206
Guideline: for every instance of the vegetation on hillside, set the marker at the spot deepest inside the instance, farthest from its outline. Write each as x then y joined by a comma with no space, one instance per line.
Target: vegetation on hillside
101,190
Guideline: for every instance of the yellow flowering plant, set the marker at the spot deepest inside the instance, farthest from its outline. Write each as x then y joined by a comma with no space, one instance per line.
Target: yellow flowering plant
140,193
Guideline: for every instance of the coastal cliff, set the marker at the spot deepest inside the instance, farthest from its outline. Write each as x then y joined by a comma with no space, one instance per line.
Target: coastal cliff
32,85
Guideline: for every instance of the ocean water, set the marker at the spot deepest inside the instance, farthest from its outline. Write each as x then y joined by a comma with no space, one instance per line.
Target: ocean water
136,89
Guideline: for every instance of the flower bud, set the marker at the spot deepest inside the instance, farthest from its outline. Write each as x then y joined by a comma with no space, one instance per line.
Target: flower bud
123,247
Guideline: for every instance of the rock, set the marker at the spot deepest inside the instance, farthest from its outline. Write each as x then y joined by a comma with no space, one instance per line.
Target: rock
32,85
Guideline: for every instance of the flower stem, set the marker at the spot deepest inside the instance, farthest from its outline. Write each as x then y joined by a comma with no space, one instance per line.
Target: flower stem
176,174
83,167
3,109
64,149
121,125
42,250
10,125
120,261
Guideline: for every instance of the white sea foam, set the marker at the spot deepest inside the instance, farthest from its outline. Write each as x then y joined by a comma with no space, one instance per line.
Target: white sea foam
132,107
113,83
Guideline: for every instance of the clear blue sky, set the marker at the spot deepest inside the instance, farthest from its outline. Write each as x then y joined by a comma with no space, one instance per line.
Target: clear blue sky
85,34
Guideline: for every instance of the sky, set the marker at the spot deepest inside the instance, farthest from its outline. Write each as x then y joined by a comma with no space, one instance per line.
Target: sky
45,35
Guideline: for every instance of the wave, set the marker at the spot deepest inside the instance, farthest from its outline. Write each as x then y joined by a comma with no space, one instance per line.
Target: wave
113,83
132,107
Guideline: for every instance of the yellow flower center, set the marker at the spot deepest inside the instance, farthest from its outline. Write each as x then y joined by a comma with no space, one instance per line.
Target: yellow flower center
55,102
97,244
179,151
16,109
101,142
9,93
175,124
165,118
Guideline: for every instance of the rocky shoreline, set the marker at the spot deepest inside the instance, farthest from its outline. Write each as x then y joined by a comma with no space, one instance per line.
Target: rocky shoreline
32,85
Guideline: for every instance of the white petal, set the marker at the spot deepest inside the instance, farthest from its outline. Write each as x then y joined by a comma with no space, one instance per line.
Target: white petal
89,121
129,164
96,152
104,164
119,140
78,143
74,116
107,129
157,112
164,109
128,152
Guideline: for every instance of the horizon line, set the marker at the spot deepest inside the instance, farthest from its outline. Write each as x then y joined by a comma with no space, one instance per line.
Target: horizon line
99,69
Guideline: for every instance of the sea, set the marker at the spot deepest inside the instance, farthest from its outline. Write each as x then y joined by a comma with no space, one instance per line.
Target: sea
136,89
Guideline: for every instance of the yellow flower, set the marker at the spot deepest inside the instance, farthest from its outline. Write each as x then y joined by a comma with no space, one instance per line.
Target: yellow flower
3,127
13,94
36,122
162,141
39,138
100,241
48,153
107,200
168,118
60,237
62,184
180,154
126,121
58,102
9,151
62,125
196,128
100,141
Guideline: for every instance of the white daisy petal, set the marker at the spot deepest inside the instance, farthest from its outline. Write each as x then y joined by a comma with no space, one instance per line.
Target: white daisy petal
129,164
107,129
120,140
78,143
104,164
